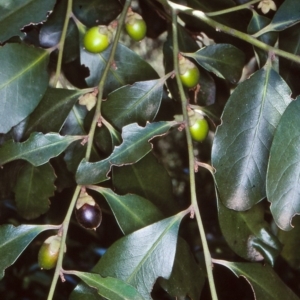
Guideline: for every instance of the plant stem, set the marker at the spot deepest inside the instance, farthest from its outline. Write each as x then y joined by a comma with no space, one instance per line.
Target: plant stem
97,115
62,42
64,229
241,35
232,9
194,202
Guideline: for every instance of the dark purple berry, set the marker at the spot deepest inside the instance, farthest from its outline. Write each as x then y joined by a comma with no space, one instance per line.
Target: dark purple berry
89,216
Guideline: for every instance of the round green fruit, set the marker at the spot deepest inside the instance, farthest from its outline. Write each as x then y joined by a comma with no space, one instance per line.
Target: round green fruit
48,254
136,29
190,77
96,40
199,130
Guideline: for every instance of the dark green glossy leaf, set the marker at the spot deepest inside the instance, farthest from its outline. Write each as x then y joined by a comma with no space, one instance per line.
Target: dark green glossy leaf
33,188
284,168
128,68
19,13
110,288
144,255
291,244
14,240
187,278
287,15
248,234
149,179
135,103
265,283
132,212
225,60
258,22
134,147
289,41
96,12
52,111
242,143
24,79
38,149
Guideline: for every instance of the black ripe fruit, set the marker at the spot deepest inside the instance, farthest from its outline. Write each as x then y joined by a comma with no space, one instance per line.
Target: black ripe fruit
89,216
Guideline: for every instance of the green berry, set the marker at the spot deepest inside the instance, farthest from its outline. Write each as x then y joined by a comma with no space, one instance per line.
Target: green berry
199,130
97,39
48,253
137,29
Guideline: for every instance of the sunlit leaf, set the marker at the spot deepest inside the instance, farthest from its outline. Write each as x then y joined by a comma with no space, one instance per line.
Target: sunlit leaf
242,143
19,13
283,185
23,81
38,149
14,240
265,283
144,255
108,287
225,60
33,188
134,147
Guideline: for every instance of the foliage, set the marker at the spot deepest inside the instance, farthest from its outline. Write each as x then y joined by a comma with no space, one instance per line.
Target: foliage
113,129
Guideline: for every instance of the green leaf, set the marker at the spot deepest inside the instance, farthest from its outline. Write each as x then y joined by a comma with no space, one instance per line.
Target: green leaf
52,111
19,13
289,41
291,244
95,12
74,125
286,16
225,60
242,143
24,79
33,188
128,68
38,149
284,168
149,179
135,103
135,146
144,255
258,22
248,234
14,240
187,278
265,283
110,288
132,212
